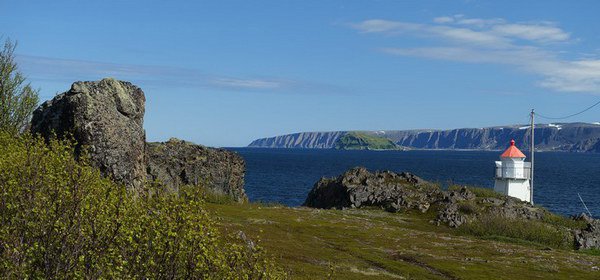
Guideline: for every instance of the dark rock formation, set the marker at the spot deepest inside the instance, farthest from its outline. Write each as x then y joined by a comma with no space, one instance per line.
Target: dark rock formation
178,162
394,192
572,137
106,118
360,188
588,238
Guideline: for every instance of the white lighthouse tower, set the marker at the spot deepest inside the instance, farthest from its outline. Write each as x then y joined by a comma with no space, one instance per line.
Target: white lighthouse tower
513,174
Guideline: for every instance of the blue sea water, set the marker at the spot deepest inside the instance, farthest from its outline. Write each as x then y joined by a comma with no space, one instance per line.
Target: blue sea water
287,175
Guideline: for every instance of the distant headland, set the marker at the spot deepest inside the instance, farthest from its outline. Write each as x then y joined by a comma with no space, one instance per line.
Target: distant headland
569,137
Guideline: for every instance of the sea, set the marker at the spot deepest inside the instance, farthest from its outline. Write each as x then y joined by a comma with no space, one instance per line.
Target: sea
286,176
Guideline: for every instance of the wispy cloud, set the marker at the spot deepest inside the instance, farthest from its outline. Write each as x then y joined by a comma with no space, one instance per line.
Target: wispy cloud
69,70
529,46
249,84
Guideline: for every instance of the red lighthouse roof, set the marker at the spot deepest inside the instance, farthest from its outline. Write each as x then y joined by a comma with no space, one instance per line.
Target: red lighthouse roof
512,151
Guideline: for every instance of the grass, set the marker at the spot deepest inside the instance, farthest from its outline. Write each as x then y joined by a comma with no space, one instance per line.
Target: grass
362,141
490,226
214,197
591,252
374,244
562,221
478,191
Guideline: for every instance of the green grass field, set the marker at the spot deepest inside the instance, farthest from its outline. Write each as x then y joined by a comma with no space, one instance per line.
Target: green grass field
373,244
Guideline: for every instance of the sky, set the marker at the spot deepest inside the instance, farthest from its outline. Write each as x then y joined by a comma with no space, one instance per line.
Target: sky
223,73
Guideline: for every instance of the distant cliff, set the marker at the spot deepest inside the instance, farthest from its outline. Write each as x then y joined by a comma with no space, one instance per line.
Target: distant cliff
573,137
305,140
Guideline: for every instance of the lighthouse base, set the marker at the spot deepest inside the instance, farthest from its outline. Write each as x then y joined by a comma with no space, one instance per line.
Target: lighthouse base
518,188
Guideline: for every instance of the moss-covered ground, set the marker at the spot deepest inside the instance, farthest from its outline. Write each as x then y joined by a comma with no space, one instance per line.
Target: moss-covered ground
373,244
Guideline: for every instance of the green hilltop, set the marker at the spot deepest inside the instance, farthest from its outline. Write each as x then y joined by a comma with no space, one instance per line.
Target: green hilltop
355,140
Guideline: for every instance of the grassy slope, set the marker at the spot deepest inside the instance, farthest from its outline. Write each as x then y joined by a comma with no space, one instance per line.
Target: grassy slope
356,244
361,141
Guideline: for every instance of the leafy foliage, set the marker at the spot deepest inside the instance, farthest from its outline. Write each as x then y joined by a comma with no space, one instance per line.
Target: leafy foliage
17,98
59,218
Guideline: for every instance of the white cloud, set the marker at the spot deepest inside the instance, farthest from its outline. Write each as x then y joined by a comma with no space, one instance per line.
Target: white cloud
472,40
479,22
543,33
385,26
247,83
69,70
451,33
465,35
443,19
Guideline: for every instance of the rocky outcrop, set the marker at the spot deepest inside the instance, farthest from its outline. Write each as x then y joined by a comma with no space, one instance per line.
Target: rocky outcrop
572,137
397,192
177,162
358,187
588,238
105,117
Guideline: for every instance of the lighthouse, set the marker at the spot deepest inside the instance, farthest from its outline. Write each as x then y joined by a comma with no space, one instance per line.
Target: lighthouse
513,174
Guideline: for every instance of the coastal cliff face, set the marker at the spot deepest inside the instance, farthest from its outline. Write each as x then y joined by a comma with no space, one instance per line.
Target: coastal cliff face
303,140
572,137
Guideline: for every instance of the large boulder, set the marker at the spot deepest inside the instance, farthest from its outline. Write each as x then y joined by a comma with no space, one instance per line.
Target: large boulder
104,117
177,162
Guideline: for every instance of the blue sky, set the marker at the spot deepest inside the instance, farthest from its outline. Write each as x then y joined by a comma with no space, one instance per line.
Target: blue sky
223,73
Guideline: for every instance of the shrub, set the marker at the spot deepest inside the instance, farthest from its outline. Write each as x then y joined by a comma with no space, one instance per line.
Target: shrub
59,218
498,227
17,98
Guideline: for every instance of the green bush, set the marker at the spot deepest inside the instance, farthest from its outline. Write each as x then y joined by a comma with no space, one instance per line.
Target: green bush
59,218
502,228
17,98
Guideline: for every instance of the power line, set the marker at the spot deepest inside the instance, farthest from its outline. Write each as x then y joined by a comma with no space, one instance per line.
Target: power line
572,115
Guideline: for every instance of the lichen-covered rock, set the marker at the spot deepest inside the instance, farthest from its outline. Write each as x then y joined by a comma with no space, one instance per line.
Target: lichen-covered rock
105,117
359,188
588,238
176,163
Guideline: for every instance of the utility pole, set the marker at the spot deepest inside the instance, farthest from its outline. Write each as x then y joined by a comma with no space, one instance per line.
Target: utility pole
532,153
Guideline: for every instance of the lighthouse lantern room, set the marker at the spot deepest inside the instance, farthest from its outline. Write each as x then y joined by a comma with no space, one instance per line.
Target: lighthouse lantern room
513,174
